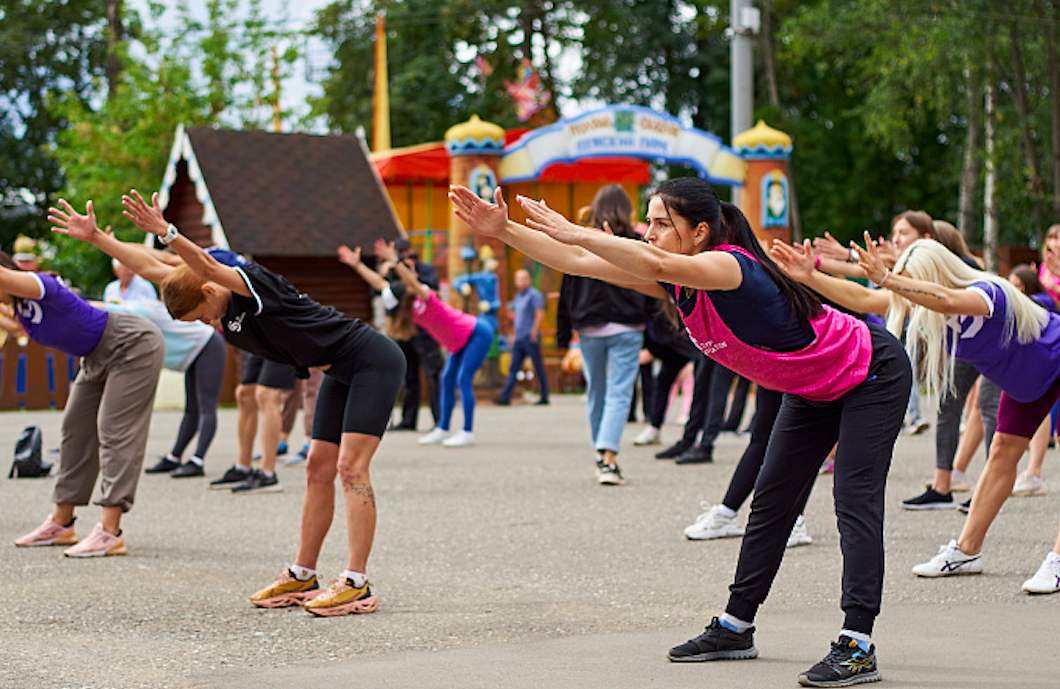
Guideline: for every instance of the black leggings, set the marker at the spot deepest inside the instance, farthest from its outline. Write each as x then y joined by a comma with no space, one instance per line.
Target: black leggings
357,394
202,387
865,422
742,484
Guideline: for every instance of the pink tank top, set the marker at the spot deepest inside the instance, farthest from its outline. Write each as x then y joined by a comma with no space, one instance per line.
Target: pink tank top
450,327
835,362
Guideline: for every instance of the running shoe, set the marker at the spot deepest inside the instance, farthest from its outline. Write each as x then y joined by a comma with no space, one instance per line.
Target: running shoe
674,451
49,533
1047,578
846,664
98,544
965,507
712,524
434,437
799,535
649,436
917,426
1027,484
716,643
950,561
163,466
459,439
341,597
233,476
827,467
258,482
299,457
697,454
930,499
608,474
285,591
188,469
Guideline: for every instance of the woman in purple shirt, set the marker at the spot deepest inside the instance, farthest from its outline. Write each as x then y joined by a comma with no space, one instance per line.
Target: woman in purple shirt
955,311
108,412
844,381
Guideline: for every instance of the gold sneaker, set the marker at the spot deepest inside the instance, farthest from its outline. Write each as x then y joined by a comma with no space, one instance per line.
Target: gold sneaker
285,591
341,597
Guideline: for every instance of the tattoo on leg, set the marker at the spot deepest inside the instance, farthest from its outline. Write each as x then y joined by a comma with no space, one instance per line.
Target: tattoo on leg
362,489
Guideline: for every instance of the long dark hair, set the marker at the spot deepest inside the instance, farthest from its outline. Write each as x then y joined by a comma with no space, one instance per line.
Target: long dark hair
696,201
612,205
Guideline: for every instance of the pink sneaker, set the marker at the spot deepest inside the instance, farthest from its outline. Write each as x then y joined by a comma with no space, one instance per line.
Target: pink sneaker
98,544
828,467
49,533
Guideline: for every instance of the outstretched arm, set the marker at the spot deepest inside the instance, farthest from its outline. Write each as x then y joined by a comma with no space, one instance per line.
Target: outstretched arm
930,295
798,262
352,258
491,219
83,226
148,217
386,251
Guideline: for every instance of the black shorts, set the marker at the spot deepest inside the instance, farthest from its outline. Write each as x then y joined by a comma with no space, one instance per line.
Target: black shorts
268,374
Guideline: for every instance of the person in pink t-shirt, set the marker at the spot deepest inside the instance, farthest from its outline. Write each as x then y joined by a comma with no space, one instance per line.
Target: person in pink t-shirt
844,380
466,337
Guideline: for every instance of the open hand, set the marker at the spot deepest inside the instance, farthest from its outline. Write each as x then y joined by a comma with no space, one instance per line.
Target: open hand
146,216
795,260
71,223
829,247
870,260
551,222
482,216
385,250
351,257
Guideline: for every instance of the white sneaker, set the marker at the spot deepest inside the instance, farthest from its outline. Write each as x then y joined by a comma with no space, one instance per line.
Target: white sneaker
949,561
434,437
1047,578
959,482
713,524
459,439
917,426
649,436
799,536
1028,484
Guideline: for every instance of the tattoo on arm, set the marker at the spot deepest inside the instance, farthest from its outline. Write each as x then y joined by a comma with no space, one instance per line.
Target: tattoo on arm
913,290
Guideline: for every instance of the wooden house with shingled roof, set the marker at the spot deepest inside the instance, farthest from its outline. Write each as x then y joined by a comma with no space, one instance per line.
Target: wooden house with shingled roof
286,201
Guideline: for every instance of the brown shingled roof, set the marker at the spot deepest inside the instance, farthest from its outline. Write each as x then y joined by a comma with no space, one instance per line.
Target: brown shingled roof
292,194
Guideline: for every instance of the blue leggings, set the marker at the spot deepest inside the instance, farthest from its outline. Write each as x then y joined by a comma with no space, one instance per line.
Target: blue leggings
460,369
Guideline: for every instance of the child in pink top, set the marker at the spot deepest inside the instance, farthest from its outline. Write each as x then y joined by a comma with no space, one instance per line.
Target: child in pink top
468,339
844,381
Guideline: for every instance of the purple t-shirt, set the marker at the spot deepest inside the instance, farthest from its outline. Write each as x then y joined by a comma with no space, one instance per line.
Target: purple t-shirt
62,320
1024,371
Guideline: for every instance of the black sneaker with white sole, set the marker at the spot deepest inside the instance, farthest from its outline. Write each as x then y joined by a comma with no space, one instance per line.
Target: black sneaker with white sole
716,643
232,477
163,466
845,665
930,499
188,469
258,482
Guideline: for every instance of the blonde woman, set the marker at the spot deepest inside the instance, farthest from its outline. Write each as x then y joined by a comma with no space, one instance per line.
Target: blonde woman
1007,337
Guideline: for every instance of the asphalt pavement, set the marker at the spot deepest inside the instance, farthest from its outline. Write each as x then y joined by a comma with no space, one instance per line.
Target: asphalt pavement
500,565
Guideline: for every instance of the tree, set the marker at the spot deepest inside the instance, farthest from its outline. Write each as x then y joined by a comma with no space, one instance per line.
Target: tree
45,47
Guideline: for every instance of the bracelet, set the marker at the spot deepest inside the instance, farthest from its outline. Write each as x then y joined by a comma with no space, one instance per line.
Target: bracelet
816,262
853,258
886,274
170,235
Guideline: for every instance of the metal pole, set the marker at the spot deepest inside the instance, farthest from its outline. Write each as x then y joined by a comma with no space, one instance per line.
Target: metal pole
741,74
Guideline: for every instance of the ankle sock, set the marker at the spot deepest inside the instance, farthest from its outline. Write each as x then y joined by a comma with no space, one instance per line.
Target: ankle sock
359,579
173,458
302,573
242,469
195,460
864,640
734,623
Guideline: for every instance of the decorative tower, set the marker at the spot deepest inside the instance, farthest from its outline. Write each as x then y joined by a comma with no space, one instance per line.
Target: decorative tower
765,197
475,149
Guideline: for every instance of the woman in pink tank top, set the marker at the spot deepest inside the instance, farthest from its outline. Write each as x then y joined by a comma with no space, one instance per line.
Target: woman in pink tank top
845,381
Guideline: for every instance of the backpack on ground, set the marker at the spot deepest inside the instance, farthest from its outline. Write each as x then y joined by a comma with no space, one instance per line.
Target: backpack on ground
28,463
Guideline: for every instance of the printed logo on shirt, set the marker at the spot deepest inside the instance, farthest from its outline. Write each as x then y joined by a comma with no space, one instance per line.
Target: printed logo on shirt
236,324
709,347
31,311
971,325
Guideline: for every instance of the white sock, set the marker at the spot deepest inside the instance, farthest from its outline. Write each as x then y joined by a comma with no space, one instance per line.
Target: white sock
864,640
734,623
359,579
1052,556
195,460
242,469
726,511
302,573
173,458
